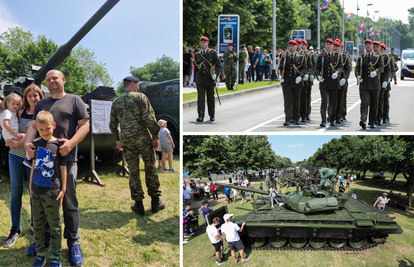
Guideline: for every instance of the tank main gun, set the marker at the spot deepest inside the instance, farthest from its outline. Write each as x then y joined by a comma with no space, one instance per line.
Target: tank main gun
64,50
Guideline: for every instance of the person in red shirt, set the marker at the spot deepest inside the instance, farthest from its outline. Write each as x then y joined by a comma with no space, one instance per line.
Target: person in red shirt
214,190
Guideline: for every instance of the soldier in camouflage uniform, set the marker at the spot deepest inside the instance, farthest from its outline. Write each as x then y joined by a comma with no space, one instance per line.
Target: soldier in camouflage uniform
230,67
404,203
395,56
242,58
139,135
270,180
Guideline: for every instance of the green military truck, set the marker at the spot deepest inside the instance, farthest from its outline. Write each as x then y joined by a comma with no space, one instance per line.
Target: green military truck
165,100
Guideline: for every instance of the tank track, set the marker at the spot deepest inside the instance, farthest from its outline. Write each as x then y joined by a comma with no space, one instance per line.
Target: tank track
324,248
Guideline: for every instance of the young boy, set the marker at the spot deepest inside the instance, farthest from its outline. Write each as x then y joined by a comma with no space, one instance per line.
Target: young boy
47,188
167,145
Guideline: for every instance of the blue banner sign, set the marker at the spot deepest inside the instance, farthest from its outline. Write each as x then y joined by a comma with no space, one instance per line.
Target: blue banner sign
228,32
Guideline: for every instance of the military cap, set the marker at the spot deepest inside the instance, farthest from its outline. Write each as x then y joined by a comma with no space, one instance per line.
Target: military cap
383,46
297,40
204,39
377,43
368,41
337,40
337,43
230,44
305,42
293,42
131,79
330,41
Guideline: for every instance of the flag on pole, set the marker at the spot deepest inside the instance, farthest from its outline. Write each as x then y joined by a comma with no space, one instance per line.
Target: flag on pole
291,1
325,5
371,32
362,28
348,18
377,33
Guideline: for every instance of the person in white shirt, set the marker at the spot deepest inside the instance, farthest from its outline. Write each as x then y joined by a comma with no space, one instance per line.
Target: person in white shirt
231,231
215,237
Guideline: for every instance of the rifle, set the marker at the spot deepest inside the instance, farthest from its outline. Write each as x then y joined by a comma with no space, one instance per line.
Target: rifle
284,64
323,61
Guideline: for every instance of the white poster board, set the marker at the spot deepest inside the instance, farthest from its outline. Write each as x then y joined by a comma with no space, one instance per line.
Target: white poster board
101,114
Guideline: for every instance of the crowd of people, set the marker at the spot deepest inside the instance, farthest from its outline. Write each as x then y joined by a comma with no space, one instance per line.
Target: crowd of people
392,200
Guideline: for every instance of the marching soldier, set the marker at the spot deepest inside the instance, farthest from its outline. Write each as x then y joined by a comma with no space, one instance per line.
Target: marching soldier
343,80
307,83
207,67
242,59
395,56
328,67
368,71
384,78
293,70
312,57
230,66
390,61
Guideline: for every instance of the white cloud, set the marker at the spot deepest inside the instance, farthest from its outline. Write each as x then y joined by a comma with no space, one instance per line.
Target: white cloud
294,145
6,19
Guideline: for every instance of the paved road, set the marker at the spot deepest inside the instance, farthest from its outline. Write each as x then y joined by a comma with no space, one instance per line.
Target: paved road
263,112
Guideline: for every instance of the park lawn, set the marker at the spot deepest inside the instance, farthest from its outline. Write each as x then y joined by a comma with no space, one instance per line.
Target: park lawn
397,251
223,91
110,233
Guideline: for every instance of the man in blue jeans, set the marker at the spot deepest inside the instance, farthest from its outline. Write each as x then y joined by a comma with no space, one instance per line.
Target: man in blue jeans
72,125
250,72
257,64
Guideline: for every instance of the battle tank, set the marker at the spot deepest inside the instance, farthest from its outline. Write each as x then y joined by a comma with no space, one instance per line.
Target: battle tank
313,219
303,174
105,143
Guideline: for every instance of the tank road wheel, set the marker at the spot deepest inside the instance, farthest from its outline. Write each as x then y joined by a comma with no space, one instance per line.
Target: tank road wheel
317,242
357,242
297,242
337,242
277,241
256,242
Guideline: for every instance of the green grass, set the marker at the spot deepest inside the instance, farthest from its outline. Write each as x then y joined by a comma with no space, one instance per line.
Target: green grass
223,91
397,251
110,233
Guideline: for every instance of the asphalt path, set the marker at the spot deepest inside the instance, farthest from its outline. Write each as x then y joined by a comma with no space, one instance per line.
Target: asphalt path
262,112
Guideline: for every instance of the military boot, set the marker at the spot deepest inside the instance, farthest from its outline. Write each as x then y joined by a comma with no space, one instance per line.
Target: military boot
157,204
138,207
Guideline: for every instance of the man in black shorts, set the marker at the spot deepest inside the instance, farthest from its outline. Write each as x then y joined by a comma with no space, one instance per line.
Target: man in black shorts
215,237
231,231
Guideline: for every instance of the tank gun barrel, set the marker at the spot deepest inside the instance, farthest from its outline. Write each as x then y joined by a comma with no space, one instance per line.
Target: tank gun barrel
258,191
65,49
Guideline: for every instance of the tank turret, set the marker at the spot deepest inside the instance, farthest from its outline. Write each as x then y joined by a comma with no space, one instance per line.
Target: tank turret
315,219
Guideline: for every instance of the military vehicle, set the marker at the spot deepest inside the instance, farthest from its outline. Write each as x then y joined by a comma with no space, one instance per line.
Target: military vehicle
300,174
313,219
105,143
165,100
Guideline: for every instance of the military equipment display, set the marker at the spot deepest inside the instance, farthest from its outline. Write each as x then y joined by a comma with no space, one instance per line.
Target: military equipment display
106,145
313,219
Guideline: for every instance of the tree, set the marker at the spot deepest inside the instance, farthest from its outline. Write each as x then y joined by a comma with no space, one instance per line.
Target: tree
15,39
163,69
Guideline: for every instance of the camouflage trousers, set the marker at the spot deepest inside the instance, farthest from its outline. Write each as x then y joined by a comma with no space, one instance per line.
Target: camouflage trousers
241,72
231,76
151,176
46,207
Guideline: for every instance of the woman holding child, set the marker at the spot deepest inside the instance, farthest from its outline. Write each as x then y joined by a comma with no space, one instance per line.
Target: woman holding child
17,153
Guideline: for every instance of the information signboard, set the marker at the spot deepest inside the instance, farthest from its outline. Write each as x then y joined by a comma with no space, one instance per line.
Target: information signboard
228,32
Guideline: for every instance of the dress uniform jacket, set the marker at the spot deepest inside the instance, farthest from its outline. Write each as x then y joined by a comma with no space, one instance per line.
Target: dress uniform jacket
383,98
331,65
347,63
306,90
375,63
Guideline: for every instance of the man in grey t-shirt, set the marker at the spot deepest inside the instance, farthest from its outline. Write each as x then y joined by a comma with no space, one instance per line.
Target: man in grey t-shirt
382,201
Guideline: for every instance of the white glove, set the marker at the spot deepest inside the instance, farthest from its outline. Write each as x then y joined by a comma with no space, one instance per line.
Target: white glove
298,80
281,80
214,76
334,76
312,77
342,82
384,84
373,74
320,79
359,79
306,77
389,80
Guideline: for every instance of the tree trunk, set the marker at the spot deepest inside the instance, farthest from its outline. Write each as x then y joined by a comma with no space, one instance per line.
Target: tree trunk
395,177
363,175
410,185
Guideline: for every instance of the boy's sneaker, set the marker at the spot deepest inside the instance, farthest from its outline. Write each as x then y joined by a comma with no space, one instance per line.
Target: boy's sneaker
76,255
55,263
27,163
159,167
172,170
187,235
185,241
165,169
221,262
40,261
246,260
31,251
14,234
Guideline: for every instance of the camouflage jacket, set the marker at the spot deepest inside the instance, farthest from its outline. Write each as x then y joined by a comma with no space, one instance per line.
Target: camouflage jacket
230,62
134,113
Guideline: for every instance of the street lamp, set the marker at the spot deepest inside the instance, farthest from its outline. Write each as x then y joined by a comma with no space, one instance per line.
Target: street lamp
374,23
367,18
357,27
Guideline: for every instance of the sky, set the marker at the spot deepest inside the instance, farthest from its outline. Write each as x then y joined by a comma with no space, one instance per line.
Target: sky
298,147
133,33
396,10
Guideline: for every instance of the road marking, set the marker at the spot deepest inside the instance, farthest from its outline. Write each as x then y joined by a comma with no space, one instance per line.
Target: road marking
313,102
